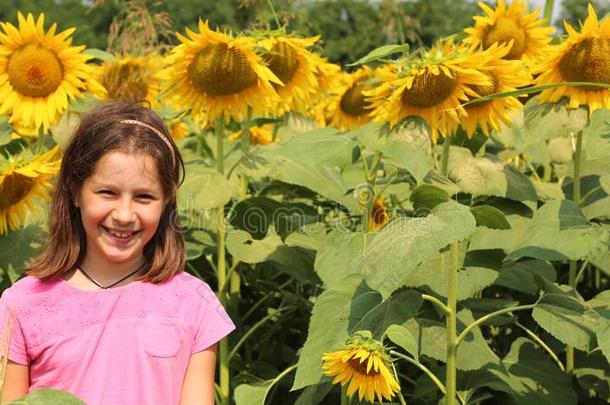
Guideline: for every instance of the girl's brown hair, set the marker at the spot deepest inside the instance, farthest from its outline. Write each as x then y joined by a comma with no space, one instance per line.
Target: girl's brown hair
99,132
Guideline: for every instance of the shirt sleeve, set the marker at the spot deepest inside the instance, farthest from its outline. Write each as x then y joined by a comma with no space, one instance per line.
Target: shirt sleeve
9,318
213,323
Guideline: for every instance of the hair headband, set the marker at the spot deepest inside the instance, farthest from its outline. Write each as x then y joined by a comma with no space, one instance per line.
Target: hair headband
156,131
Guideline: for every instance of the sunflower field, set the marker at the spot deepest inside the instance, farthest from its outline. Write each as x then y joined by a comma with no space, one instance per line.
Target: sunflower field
425,225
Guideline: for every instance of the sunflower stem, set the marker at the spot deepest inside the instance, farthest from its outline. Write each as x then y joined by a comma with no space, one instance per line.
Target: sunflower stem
344,397
546,347
451,375
423,368
235,277
572,279
371,179
225,376
275,17
548,10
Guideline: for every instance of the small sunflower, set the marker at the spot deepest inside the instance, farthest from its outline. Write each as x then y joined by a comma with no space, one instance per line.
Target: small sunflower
216,75
432,88
363,364
289,59
379,215
131,78
529,34
582,57
22,178
348,107
504,75
178,129
258,135
40,72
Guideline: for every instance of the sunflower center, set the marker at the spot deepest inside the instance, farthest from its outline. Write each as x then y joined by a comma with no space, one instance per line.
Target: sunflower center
353,102
282,60
360,368
221,71
379,214
587,61
126,81
34,71
14,188
483,91
429,90
502,32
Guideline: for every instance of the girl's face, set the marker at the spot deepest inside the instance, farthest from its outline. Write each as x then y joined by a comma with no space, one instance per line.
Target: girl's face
121,204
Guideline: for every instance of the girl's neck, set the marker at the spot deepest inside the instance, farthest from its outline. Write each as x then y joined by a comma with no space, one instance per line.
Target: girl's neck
106,274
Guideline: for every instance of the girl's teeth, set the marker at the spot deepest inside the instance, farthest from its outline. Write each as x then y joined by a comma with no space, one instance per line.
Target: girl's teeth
119,234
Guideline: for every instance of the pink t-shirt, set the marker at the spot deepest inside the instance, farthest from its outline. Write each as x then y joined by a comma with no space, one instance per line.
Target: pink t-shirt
125,345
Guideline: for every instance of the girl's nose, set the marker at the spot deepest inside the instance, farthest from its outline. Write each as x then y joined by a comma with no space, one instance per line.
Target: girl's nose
123,212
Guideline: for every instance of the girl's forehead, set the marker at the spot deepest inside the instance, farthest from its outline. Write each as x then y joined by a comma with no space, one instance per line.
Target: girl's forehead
126,168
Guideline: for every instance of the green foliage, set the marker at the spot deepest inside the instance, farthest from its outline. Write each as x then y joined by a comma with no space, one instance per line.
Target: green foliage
45,396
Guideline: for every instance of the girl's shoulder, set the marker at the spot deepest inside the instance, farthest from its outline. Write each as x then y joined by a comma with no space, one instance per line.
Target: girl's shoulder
27,286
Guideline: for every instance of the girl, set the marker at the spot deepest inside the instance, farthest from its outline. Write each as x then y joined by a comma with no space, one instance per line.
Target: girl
106,312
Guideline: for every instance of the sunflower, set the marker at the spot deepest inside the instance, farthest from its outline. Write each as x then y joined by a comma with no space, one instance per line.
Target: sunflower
505,75
363,364
347,108
379,215
21,180
131,78
582,57
529,34
219,76
289,59
258,135
40,72
178,129
432,88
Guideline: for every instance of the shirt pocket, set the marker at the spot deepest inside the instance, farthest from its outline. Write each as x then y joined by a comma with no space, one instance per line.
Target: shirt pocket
162,336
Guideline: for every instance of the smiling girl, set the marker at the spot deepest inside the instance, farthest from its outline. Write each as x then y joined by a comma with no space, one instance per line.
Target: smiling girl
106,312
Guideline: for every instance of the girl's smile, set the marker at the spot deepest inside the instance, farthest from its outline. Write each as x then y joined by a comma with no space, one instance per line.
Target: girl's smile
121,205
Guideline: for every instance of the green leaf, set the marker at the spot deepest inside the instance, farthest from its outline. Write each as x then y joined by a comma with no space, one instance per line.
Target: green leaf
45,396
314,394
348,307
593,373
248,394
18,247
5,131
519,276
558,231
245,248
394,253
490,217
565,315
427,196
473,353
381,53
403,338
597,136
99,54
601,305
432,275
327,154
407,146
338,256
489,176
203,189
529,376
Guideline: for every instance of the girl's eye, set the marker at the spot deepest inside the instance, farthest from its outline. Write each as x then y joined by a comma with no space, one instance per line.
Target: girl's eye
147,196
105,192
